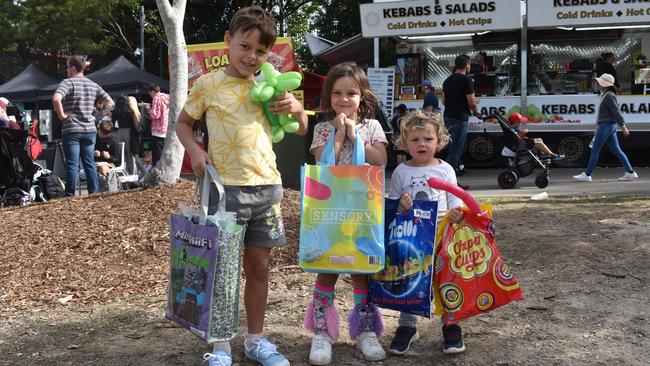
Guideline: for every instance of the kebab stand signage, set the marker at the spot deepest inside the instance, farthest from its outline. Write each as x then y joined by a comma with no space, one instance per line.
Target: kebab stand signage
571,13
404,18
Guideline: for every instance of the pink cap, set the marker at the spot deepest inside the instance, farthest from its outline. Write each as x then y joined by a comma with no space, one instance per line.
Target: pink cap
4,102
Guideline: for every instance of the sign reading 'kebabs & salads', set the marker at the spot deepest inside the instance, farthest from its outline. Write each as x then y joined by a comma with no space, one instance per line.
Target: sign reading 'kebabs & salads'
427,17
571,13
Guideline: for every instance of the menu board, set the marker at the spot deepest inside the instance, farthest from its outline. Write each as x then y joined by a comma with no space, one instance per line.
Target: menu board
572,13
382,83
426,17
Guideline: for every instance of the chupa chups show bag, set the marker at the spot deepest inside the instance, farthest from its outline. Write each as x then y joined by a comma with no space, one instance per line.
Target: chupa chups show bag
205,268
470,275
342,214
405,282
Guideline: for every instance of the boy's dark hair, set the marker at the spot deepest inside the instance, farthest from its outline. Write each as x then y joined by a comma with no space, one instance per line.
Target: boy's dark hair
461,62
254,17
78,62
106,126
154,87
369,101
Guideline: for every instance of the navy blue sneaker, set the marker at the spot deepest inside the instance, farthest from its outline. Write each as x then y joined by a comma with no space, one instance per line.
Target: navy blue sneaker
452,339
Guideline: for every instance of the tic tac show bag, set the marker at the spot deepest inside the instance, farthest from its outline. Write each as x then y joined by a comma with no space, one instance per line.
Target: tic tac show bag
470,275
205,267
405,282
342,214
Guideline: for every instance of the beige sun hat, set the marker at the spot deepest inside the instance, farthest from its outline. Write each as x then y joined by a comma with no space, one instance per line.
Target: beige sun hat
605,80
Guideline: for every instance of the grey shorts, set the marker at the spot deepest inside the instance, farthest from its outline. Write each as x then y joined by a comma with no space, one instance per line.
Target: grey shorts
258,209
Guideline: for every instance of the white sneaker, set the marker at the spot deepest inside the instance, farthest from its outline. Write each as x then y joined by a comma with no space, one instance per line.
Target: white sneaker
369,346
321,350
628,176
582,177
219,358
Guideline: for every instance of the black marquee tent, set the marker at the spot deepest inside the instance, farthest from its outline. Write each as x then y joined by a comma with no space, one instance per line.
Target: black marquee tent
25,86
119,77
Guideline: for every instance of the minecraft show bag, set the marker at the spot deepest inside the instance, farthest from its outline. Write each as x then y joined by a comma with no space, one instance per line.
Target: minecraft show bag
405,283
342,214
205,268
470,275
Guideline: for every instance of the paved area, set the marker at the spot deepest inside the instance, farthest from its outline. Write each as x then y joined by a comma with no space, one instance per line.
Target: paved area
483,182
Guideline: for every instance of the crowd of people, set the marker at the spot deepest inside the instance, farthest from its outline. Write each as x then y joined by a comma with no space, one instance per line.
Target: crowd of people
93,126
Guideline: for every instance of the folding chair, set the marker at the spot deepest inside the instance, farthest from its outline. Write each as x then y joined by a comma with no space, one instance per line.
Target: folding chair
122,174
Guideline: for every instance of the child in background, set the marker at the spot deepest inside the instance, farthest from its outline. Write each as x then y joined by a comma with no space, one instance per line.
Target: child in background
423,135
516,119
241,150
348,99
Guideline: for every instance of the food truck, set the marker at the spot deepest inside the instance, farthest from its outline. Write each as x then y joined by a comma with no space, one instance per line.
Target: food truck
540,59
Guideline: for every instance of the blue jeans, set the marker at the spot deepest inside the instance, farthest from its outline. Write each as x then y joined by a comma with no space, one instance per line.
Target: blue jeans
606,132
457,129
76,146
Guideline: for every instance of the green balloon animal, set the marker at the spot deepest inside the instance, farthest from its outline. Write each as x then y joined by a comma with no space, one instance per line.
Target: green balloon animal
273,85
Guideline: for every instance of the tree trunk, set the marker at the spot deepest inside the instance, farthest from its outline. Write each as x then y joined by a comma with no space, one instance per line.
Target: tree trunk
168,168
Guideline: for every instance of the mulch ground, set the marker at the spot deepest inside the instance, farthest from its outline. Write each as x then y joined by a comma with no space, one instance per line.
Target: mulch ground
94,249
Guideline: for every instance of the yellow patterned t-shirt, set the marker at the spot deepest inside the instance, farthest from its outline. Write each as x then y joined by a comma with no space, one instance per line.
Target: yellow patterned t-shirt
240,143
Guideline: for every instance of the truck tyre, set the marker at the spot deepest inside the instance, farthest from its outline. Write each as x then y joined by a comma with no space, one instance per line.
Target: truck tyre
482,149
574,149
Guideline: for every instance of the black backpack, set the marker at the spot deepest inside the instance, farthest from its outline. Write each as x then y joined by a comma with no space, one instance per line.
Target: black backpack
49,186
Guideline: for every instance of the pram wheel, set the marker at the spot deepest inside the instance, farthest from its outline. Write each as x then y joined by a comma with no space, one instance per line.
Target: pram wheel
542,180
507,179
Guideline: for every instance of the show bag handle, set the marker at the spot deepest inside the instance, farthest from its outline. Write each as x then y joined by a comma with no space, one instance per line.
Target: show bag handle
327,157
456,191
209,176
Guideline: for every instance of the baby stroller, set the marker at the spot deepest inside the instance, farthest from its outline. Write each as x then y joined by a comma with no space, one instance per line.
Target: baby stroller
521,158
16,168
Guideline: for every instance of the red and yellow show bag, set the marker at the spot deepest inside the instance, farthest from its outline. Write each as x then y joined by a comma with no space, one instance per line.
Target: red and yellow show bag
470,276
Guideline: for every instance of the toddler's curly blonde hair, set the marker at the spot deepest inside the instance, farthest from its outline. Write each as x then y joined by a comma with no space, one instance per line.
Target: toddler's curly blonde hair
419,119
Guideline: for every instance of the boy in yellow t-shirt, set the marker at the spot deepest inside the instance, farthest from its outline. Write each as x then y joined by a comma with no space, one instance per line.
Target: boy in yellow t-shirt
240,147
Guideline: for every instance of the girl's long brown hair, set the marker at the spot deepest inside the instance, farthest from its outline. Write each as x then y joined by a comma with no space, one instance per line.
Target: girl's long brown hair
369,101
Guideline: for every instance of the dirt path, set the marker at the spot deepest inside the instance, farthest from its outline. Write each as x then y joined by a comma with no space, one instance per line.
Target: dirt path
583,266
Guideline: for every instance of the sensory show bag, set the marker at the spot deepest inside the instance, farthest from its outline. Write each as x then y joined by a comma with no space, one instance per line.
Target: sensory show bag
470,276
342,214
405,282
205,267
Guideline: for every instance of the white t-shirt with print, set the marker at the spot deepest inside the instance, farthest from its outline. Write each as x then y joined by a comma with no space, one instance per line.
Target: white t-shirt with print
413,180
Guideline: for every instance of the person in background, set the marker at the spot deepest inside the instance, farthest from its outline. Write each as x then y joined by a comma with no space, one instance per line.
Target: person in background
395,125
158,116
609,118
516,119
5,120
459,101
605,65
127,121
430,99
136,135
74,101
483,64
107,148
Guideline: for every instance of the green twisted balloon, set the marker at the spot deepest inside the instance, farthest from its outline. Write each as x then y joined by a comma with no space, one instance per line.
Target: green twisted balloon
274,84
